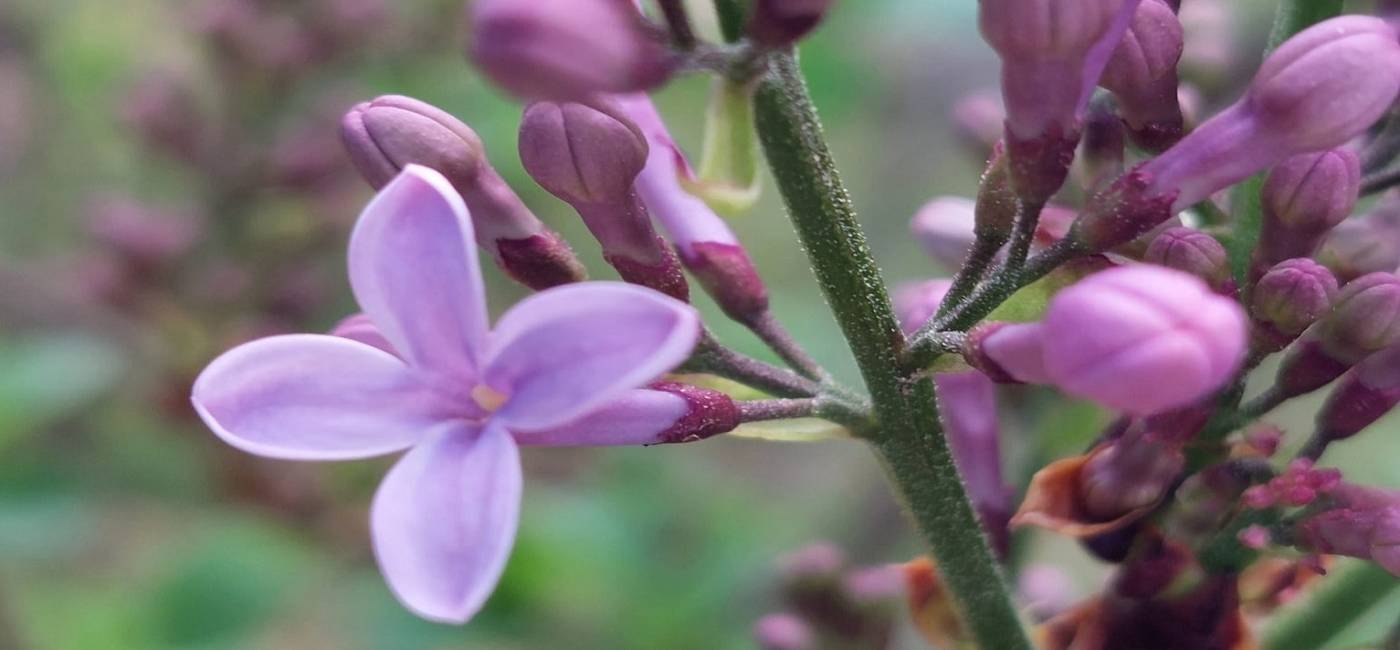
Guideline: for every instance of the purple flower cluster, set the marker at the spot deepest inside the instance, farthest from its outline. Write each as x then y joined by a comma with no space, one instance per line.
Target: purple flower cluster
1123,278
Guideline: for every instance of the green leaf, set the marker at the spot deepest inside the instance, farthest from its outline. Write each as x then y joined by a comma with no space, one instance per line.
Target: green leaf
1028,304
45,379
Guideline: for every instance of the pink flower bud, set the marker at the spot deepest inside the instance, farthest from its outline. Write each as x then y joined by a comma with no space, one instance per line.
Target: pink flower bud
1142,74
566,49
1365,394
707,246
1364,244
1052,54
589,156
1364,523
1304,197
1191,251
1364,318
1318,90
1116,336
916,302
1288,299
978,117
780,23
708,413
391,132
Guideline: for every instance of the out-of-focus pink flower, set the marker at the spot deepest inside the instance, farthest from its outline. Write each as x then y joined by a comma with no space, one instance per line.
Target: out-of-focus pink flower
566,49
459,396
1365,394
916,302
781,23
783,632
944,227
1364,523
1364,244
1141,339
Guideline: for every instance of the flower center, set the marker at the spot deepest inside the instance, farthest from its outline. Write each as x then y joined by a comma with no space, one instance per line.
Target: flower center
488,398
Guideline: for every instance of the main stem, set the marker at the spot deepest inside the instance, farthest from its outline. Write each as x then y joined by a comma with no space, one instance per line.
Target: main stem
909,438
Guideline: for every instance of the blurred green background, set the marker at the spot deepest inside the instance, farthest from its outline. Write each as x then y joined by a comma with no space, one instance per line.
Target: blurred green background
125,525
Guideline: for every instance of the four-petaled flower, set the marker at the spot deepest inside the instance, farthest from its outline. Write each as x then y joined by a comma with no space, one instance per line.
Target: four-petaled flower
563,367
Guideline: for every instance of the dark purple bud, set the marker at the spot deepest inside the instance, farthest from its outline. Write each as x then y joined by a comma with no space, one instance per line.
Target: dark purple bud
385,135
1364,319
1142,74
1132,473
1192,251
567,49
1364,244
780,23
589,156
1304,197
145,238
1287,300
709,413
164,110
783,632
1365,394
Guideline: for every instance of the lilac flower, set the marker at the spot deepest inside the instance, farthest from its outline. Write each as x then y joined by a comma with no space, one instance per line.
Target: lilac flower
1304,197
1364,319
1116,336
1191,251
1288,299
458,396
1362,396
1142,75
1364,522
944,227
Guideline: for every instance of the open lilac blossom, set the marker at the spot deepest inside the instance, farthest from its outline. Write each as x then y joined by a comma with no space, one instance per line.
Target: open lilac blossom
459,396
1118,335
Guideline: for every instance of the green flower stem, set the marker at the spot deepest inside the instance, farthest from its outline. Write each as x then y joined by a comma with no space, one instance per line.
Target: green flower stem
1315,619
908,438
1026,222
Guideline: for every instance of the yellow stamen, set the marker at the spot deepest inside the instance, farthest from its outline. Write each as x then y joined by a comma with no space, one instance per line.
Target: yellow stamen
488,398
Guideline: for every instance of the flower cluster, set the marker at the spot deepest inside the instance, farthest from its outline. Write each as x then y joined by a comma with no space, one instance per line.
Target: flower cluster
1123,276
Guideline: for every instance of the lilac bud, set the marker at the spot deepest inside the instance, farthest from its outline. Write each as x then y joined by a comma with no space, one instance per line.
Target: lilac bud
1318,90
1131,474
1364,319
1364,244
1052,54
145,238
706,245
783,632
385,135
589,156
708,413
1142,74
1304,197
1191,251
1365,393
164,110
1288,299
1008,352
1113,336
944,227
567,49
1363,522
780,23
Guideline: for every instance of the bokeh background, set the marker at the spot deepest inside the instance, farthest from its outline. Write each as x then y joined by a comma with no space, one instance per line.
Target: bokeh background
171,183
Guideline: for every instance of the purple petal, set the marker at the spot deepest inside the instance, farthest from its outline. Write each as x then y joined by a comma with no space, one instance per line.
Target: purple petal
312,397
444,521
564,352
358,327
639,417
414,270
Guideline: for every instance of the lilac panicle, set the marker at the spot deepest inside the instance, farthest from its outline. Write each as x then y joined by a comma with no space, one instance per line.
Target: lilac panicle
1113,336
1362,522
1365,394
458,395
1304,197
1317,91
589,156
1052,55
1191,251
706,245
1142,75
1287,300
566,49
781,23
1365,318
384,135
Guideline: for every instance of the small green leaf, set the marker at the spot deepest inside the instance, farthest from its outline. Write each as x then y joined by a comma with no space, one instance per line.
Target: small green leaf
1028,304
797,430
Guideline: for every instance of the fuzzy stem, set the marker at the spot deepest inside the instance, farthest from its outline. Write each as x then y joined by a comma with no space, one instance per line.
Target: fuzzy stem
678,23
909,440
1027,219
772,332
1315,619
777,409
712,357
965,280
